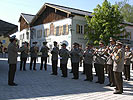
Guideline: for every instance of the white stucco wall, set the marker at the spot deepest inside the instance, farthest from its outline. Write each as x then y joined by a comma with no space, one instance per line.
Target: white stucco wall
50,39
76,37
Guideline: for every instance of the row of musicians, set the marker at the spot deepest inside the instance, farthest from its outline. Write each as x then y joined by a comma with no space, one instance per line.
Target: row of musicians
89,54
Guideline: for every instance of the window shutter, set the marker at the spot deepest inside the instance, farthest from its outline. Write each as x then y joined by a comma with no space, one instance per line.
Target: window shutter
77,28
55,31
67,29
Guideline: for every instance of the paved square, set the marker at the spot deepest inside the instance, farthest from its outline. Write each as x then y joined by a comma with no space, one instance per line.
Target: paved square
40,85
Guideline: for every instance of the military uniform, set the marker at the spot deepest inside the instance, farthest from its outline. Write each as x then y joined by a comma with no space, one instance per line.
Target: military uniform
23,58
75,57
64,55
12,60
110,66
99,64
127,59
34,54
118,67
87,60
55,52
44,56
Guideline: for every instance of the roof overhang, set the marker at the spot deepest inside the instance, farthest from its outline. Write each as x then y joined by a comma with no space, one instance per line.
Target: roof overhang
7,28
43,8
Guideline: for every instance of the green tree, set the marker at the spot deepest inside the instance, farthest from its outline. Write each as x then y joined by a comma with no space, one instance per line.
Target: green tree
126,10
105,23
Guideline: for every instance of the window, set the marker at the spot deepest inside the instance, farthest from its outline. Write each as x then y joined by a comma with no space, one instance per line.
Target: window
60,30
57,31
23,36
27,35
39,33
64,29
79,29
46,32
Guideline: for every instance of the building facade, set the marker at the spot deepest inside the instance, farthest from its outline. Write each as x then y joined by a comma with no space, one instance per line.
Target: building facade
56,23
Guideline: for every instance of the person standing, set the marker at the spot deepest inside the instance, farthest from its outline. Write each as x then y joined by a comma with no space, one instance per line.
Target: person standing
88,59
118,67
64,55
99,63
34,54
44,55
75,57
110,63
1,49
127,60
23,56
54,52
12,60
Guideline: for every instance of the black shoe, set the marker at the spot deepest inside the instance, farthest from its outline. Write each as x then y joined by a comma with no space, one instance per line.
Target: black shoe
97,82
86,80
117,93
13,84
24,69
108,84
101,82
71,72
128,79
34,69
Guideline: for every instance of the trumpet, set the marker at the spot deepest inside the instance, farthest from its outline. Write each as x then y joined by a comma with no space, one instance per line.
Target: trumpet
115,50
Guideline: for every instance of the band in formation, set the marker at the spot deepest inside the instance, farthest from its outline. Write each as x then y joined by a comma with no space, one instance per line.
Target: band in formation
115,57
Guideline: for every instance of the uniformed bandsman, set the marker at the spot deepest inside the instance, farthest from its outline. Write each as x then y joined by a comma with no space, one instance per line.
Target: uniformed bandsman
64,55
23,56
87,60
118,66
75,57
127,59
34,54
12,60
110,49
54,52
44,50
99,63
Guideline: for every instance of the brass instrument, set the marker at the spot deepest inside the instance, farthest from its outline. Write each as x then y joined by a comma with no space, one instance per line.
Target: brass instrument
114,50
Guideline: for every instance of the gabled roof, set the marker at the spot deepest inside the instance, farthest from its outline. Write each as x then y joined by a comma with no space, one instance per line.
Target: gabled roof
28,17
68,10
7,28
71,10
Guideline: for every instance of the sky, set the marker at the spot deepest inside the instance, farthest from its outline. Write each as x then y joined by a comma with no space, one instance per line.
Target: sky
10,10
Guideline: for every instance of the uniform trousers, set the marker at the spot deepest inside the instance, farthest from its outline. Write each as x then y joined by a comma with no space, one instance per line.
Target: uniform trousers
83,68
33,59
75,70
64,69
111,74
127,72
43,59
95,69
88,71
118,81
23,63
54,66
100,72
11,73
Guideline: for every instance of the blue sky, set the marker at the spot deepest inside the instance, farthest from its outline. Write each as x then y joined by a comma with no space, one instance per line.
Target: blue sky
10,10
